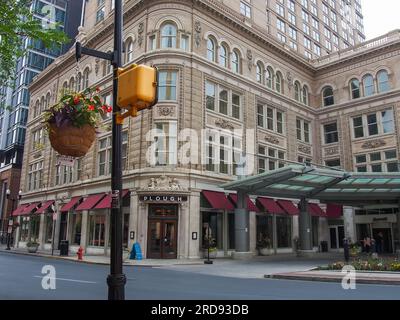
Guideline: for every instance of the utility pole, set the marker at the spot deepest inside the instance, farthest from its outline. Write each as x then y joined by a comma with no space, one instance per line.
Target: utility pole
116,280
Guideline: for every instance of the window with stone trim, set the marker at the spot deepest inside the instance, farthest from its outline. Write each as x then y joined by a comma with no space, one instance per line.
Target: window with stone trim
331,134
270,118
381,161
303,128
223,100
35,176
270,158
373,124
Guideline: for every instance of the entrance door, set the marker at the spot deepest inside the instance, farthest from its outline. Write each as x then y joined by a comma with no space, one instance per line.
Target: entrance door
387,239
336,237
162,242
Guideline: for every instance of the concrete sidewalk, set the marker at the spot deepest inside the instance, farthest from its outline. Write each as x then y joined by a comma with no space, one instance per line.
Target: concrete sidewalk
363,277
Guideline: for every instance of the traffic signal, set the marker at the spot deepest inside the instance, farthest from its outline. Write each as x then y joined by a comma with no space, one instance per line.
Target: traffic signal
137,88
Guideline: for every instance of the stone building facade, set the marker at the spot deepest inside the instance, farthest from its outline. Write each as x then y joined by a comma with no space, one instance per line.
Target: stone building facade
238,90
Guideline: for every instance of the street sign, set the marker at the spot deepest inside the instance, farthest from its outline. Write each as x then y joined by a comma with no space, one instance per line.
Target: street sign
65,161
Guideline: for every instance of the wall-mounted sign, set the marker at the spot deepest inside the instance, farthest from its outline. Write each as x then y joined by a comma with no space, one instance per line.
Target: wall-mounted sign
163,198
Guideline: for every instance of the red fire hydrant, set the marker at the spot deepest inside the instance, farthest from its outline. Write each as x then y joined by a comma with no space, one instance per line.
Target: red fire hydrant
80,253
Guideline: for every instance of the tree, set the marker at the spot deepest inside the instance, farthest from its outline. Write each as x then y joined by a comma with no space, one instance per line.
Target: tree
17,23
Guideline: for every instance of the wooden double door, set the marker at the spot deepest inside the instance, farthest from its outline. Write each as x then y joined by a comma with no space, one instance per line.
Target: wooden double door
162,242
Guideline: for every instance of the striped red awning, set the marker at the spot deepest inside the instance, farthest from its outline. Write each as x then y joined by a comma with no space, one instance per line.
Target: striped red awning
70,204
106,202
18,211
90,202
218,200
334,211
250,205
315,210
45,206
289,207
270,205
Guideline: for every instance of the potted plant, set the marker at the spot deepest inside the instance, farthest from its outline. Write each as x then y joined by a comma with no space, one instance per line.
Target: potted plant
211,248
32,246
72,122
264,246
355,249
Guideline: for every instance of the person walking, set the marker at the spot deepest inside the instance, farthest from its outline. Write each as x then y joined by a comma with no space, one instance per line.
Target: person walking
379,243
367,244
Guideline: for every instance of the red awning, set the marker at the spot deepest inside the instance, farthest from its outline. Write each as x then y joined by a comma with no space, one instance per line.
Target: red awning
18,211
218,200
106,202
315,210
45,206
90,202
250,205
28,210
270,206
289,207
71,204
334,211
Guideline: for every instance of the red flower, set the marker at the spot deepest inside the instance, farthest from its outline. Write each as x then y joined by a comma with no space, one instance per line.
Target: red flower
77,100
109,109
91,107
104,107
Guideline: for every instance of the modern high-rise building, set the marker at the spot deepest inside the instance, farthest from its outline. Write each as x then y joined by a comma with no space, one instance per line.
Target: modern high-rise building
313,28
14,100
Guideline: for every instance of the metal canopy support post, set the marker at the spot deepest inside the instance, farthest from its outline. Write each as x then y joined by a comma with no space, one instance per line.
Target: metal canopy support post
242,240
304,226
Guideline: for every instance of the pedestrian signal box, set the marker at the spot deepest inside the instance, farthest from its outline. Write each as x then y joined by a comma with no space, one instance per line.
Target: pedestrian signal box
137,87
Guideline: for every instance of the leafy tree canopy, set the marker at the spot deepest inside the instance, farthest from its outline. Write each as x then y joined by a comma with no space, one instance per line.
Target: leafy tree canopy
16,24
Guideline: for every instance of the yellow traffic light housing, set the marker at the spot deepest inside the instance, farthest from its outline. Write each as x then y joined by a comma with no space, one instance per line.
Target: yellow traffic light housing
137,89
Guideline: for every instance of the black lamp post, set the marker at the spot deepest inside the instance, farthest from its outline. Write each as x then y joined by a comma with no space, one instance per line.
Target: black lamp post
116,280
10,227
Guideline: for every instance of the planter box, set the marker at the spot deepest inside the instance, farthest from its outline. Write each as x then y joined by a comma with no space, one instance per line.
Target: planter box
265,251
213,254
33,249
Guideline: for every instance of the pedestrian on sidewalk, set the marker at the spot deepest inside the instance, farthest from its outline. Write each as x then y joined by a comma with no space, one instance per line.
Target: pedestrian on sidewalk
379,243
367,244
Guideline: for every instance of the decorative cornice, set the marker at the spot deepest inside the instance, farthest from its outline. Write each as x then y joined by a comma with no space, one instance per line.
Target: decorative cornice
271,139
374,144
224,124
331,151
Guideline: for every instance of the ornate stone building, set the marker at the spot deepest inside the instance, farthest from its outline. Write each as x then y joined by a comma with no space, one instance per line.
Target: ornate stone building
226,87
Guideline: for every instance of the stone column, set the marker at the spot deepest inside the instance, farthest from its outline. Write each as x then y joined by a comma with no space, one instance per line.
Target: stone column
84,229
274,234
142,225
305,235
349,227
42,230
183,232
194,225
133,218
242,239
17,233
253,232
225,232
57,230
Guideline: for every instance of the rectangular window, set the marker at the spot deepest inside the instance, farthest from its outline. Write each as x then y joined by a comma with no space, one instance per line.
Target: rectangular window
104,157
245,9
303,130
372,124
387,121
274,159
165,141
270,118
167,85
331,133
229,102
384,161
35,175
358,127
210,95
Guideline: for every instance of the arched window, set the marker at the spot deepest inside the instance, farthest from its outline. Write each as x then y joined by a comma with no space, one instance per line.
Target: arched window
270,77
65,87
236,61
48,99
355,89
327,94
36,109
72,84
223,56
128,51
297,89
260,72
369,85
79,82
85,79
42,104
383,81
168,36
211,49
305,95
279,82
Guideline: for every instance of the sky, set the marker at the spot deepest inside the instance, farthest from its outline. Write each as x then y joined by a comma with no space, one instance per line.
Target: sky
380,16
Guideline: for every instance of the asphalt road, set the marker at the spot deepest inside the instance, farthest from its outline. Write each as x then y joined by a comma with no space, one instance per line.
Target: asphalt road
21,278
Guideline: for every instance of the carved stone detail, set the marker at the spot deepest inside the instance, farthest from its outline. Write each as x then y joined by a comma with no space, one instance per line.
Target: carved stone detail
289,79
166,111
250,59
140,34
197,36
164,183
97,66
224,124
374,144
331,151
271,139
304,149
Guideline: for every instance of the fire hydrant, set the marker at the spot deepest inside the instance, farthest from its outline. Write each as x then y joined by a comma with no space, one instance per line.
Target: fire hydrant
80,253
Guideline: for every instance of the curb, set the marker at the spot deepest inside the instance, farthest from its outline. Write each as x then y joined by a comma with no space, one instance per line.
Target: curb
331,279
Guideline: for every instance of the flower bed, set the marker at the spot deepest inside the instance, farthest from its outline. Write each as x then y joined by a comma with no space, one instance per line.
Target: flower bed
390,265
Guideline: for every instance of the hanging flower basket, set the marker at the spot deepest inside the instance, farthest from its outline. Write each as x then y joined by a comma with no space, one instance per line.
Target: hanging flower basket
72,122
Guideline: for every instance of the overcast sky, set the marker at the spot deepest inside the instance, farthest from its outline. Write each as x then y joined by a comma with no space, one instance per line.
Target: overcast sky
380,16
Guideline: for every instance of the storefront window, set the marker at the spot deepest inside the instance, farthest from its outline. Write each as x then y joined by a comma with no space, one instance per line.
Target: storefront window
76,228
24,229
97,230
284,231
315,225
264,229
35,226
49,228
231,230
212,227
